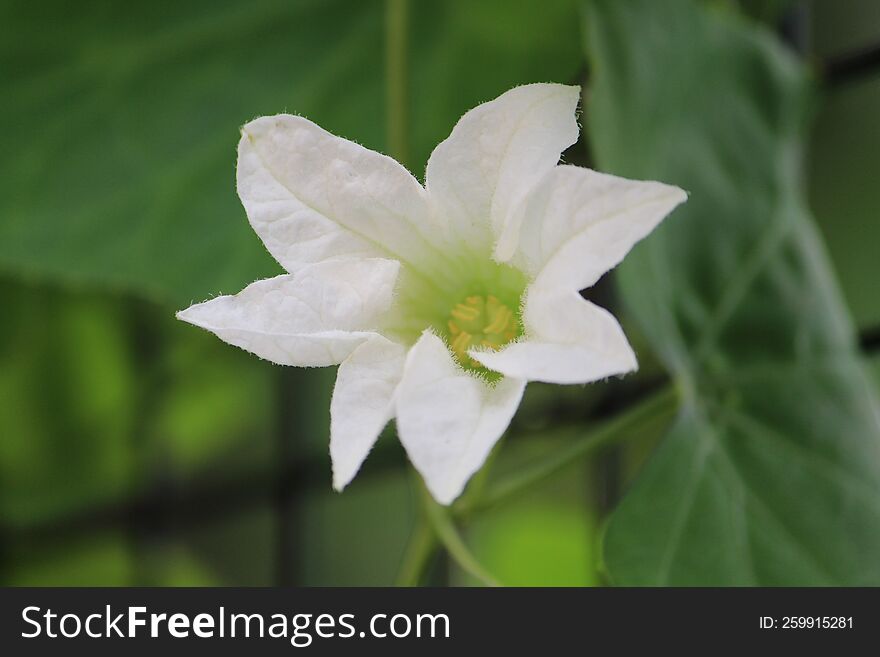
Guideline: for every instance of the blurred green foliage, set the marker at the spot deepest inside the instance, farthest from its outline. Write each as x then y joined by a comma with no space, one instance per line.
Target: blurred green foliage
117,206
771,475
126,119
121,182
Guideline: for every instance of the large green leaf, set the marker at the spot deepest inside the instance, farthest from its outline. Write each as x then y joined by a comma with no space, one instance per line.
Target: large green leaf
120,169
771,474
121,119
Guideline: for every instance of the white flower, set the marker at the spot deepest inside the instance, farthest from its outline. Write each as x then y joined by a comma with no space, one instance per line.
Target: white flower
438,303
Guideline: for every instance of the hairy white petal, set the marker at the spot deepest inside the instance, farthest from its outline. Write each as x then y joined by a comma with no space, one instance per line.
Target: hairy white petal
577,224
343,220
312,318
449,420
362,404
311,196
568,340
495,153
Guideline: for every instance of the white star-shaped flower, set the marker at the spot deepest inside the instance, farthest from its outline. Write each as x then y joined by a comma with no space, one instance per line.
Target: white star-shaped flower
440,302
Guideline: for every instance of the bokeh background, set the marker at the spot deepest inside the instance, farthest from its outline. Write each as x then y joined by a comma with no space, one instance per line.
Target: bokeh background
136,450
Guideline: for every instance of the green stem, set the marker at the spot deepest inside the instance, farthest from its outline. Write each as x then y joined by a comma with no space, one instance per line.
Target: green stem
421,548
630,423
437,523
423,542
396,24
447,532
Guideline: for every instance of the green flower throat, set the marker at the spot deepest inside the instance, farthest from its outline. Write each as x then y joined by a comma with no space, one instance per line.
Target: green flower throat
476,305
480,322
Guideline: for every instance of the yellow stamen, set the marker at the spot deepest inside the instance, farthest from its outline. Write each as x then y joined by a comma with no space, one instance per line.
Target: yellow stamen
502,318
462,342
465,313
480,321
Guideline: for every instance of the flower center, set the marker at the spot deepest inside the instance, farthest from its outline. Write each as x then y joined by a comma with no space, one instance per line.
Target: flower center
480,321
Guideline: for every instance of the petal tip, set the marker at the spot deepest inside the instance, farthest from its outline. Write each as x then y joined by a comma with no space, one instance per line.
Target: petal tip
573,89
184,315
564,88
444,495
339,483
343,474
194,314
263,125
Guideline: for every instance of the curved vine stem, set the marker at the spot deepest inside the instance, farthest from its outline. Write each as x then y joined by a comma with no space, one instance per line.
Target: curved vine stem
437,521
397,117
445,529
631,423
419,552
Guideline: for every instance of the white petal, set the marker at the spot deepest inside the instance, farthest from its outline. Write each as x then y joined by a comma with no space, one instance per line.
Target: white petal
449,420
362,404
495,153
577,224
313,318
311,196
569,340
